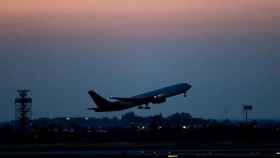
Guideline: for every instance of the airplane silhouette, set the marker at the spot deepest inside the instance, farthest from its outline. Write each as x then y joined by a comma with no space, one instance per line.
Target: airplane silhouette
155,97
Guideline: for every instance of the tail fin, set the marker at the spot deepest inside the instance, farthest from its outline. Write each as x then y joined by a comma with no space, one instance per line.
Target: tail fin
99,100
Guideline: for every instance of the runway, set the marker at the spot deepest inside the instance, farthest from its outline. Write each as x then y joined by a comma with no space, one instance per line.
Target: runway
172,153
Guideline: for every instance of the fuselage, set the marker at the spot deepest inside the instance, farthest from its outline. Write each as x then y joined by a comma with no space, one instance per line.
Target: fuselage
167,91
155,97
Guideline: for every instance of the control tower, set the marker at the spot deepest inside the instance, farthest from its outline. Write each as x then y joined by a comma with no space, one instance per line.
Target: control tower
23,110
246,109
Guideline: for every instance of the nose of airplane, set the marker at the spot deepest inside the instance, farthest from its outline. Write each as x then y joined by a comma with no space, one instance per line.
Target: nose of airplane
188,86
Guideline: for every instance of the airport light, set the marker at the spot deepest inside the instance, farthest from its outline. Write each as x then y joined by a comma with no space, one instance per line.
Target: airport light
68,118
172,156
72,130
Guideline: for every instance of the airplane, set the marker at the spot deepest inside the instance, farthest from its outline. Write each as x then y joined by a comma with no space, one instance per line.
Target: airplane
155,97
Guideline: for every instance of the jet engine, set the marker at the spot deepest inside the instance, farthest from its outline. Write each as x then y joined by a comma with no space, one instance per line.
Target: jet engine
158,99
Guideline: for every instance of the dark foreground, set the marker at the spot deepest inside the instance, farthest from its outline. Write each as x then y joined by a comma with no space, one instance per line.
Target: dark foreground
178,135
148,150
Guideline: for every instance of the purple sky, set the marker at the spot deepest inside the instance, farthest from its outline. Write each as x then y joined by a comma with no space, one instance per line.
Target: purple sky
228,51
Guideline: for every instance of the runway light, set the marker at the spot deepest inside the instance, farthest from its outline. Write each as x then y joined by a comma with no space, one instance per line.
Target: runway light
172,156
277,153
184,127
68,118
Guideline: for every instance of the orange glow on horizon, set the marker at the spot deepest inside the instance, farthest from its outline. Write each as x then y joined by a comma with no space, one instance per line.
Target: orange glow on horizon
140,17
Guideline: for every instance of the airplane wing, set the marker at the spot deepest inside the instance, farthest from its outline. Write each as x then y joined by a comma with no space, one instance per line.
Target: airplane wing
141,100
144,99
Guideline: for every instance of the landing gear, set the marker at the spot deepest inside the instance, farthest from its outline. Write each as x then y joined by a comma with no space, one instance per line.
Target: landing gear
144,107
185,94
147,107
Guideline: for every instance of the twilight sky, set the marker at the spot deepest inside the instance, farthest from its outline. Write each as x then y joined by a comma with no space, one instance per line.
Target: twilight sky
228,50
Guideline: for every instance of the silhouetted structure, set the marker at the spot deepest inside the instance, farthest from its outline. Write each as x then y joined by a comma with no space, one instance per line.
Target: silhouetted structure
178,127
23,110
246,109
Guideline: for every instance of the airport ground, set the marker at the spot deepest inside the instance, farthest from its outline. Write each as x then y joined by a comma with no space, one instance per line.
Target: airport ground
137,149
131,136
